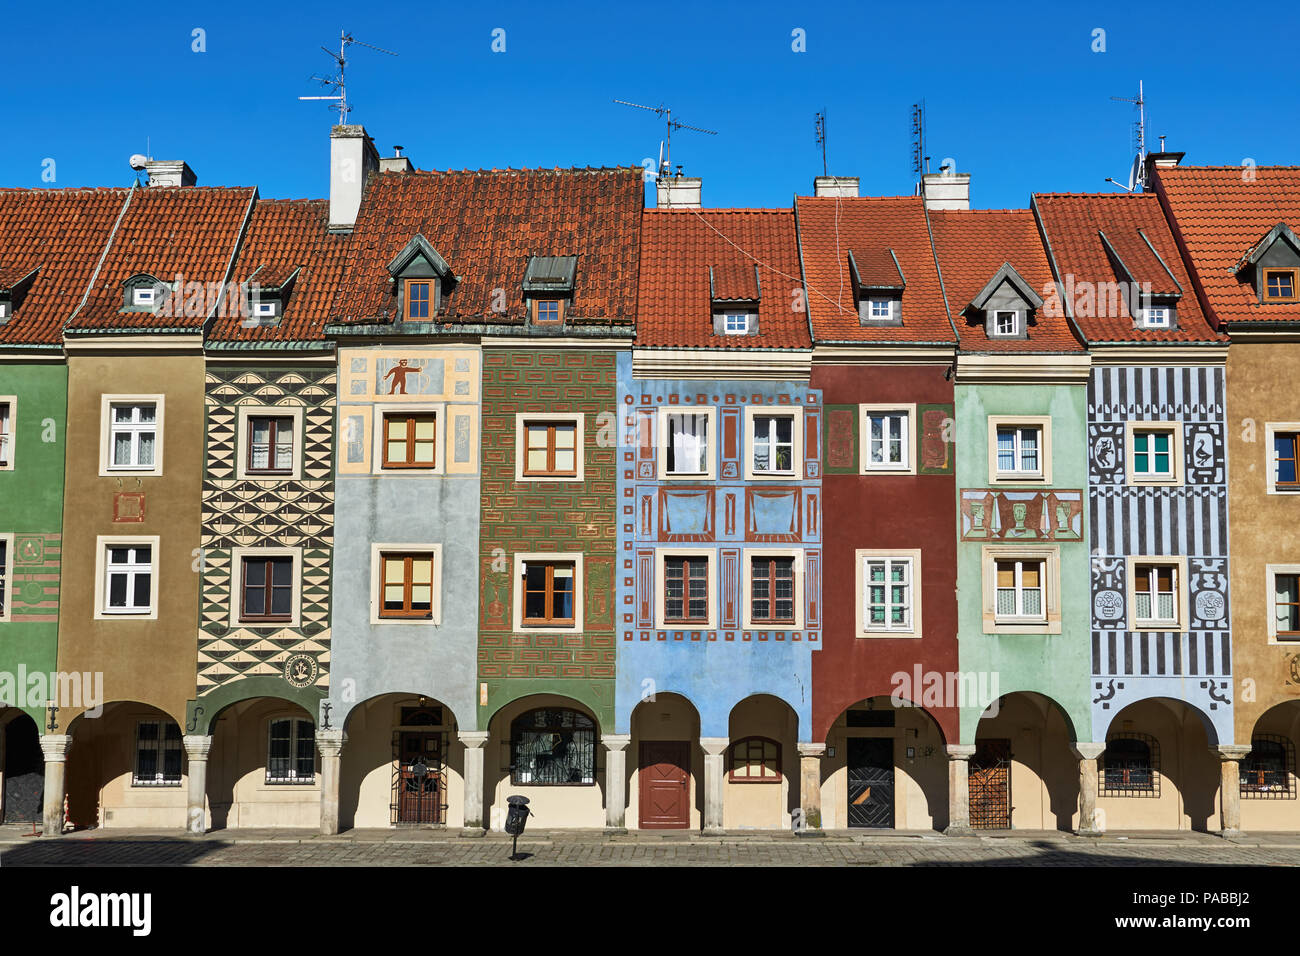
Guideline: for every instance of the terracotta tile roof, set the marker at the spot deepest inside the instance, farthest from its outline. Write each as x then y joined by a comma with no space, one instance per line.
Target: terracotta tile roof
1074,225
61,232
973,245
870,227
189,231
288,236
487,224
680,246
1220,216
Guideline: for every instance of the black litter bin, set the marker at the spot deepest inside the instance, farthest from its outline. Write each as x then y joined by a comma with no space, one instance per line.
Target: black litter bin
516,819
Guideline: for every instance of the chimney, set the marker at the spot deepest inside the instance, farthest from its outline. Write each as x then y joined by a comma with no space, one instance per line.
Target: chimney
1162,160
352,158
397,163
678,192
169,172
946,189
836,187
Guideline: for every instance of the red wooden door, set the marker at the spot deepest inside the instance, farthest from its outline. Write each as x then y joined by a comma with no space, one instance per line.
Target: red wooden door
665,785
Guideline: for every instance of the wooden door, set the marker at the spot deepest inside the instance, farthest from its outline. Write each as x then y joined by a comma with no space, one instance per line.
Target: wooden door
871,782
419,785
990,785
665,775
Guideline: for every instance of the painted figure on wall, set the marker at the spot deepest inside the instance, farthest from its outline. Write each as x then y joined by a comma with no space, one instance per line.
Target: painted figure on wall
398,374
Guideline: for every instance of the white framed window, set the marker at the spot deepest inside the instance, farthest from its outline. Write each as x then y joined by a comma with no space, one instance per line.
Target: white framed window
1022,589
8,416
405,583
548,591
126,578
131,434
1020,449
736,323
1006,322
688,439
1154,453
772,588
888,593
774,435
269,443
290,751
264,309
144,296
158,754
880,310
4,311
1155,317
1282,599
888,438
686,589
6,576
1157,594
550,447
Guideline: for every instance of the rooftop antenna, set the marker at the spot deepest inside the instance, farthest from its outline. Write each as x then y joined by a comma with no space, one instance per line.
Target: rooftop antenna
1137,175
666,111
920,161
338,83
820,127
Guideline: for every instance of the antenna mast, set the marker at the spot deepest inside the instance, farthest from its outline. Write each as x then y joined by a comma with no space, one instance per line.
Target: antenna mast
338,83
1137,175
820,127
673,124
920,161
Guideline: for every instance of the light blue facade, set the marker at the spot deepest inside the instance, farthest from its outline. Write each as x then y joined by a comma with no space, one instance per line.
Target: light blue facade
729,519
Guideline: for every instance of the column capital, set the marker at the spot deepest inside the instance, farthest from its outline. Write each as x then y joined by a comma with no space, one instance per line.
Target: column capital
615,742
330,742
1086,751
714,746
960,751
812,750
473,739
1233,752
197,746
55,747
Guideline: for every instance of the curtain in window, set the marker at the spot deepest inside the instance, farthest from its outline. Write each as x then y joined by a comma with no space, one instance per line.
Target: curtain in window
688,438
1006,449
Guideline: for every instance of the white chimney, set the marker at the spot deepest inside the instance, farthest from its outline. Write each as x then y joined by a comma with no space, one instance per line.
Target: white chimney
169,172
678,192
397,163
945,190
352,158
836,187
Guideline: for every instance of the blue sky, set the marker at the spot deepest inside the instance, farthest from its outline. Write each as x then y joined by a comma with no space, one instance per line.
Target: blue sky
1014,93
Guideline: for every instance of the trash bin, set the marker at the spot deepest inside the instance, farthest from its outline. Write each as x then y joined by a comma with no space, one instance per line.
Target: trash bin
517,815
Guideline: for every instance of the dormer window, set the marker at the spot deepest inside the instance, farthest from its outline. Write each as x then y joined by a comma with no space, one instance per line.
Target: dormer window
144,293
1155,317
143,297
420,277
880,310
1280,285
419,299
1006,322
736,323
265,310
4,311
548,311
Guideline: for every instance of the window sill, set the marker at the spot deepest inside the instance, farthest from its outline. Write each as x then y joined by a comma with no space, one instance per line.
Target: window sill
1022,627
1157,627
889,470
1156,482
909,634
1017,479
742,780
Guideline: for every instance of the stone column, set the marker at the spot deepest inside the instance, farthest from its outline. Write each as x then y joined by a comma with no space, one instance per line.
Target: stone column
197,747
959,789
330,745
715,752
810,788
1230,758
1088,754
616,781
475,742
55,748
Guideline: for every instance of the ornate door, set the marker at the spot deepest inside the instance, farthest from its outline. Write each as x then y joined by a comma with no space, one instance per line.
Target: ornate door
871,782
420,781
990,785
665,797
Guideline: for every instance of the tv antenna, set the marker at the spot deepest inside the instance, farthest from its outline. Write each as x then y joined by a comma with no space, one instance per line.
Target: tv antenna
920,161
665,159
1137,175
338,83
820,127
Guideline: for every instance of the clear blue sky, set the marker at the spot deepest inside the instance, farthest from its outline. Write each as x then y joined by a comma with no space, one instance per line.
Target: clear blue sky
1014,93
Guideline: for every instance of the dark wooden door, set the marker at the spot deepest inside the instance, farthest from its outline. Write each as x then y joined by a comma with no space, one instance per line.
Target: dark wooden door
665,775
419,785
24,771
871,782
990,785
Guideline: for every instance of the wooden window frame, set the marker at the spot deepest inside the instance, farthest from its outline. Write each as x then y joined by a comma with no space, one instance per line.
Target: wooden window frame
250,421
292,777
406,612
1146,580
411,442
733,753
268,588
536,310
1294,439
1284,637
771,621
549,621
1138,565
551,447
1295,285
1271,573
429,300
687,577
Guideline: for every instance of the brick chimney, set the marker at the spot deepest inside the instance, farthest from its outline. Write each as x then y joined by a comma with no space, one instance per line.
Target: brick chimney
169,172
946,190
678,192
843,187
353,157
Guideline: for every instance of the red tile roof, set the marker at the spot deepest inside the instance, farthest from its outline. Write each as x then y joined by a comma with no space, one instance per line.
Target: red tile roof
973,244
61,232
870,227
287,235
1074,224
1220,213
678,248
486,225
189,231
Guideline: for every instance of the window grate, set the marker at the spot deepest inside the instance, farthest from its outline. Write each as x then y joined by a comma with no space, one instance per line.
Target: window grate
1268,771
1130,766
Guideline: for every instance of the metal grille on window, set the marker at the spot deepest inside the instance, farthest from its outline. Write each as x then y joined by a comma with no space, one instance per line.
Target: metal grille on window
1268,771
553,747
1130,766
158,754
291,753
419,774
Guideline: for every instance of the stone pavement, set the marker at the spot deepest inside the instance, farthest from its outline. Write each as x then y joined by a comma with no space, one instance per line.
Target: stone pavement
430,847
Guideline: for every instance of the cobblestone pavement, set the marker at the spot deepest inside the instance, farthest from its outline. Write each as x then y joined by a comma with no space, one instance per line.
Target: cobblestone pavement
387,848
